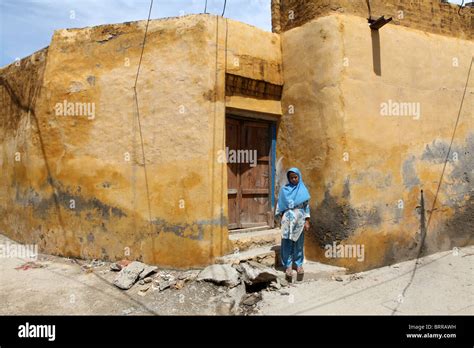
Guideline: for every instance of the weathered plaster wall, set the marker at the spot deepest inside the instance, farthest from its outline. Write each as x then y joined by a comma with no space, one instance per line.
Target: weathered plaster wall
255,54
19,87
80,188
97,165
359,164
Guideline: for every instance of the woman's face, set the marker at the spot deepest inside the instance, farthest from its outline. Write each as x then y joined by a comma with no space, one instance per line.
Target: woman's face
293,178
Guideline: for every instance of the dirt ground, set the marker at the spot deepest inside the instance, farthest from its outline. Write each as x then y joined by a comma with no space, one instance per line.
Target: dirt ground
61,286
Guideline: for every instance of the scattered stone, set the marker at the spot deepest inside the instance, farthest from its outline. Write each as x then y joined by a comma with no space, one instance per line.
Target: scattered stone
147,280
284,293
252,299
128,311
182,276
116,267
189,275
166,276
179,284
221,274
225,306
237,293
337,278
147,271
254,272
129,275
266,261
145,287
141,282
355,277
97,263
283,281
275,284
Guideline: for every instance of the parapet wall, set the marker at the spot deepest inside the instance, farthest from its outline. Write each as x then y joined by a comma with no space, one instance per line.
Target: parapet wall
431,16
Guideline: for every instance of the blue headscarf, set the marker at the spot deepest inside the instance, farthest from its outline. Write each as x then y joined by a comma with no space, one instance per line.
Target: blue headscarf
292,195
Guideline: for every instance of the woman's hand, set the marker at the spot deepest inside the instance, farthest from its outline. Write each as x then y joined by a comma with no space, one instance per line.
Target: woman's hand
306,225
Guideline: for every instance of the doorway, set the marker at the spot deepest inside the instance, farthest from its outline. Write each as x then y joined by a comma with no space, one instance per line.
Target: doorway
249,172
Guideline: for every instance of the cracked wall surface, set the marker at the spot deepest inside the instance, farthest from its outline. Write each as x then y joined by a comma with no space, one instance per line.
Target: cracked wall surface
365,170
79,189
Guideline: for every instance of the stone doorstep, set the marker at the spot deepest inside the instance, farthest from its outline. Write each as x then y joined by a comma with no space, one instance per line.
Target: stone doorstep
264,255
264,247
270,255
243,241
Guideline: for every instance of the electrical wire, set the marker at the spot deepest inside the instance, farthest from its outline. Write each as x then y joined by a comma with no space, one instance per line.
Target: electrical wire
138,118
423,235
223,10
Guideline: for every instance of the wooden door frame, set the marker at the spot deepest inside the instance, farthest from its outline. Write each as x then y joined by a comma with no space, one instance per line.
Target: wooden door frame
272,122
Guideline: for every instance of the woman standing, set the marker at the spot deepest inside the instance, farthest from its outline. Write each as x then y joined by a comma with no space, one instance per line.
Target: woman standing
293,207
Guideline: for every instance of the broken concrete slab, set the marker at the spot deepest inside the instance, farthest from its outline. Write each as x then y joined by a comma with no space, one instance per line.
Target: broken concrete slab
220,274
275,284
166,284
147,271
189,275
237,293
252,299
254,272
129,275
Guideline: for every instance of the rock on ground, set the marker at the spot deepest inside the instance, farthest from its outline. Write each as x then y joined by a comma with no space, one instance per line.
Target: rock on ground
220,274
253,273
147,271
129,275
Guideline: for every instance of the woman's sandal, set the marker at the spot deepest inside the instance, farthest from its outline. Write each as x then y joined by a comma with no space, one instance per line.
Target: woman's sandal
299,273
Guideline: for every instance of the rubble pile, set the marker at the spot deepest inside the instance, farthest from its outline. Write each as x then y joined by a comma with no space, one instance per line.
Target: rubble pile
240,285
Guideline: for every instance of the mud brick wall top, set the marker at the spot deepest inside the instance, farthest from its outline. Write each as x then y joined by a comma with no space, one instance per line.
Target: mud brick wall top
426,15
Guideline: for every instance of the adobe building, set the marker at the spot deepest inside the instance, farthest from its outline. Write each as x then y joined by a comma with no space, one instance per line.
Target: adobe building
98,161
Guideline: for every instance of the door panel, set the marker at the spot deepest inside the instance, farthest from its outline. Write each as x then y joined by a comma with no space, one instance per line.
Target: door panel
232,143
249,180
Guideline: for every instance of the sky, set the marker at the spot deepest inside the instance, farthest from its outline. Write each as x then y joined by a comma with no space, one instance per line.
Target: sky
28,25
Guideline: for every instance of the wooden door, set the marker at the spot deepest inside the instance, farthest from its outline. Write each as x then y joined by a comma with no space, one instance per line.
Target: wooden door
248,172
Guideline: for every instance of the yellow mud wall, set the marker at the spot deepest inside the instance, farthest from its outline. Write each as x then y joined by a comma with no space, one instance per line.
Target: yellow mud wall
83,191
365,170
254,54
115,183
